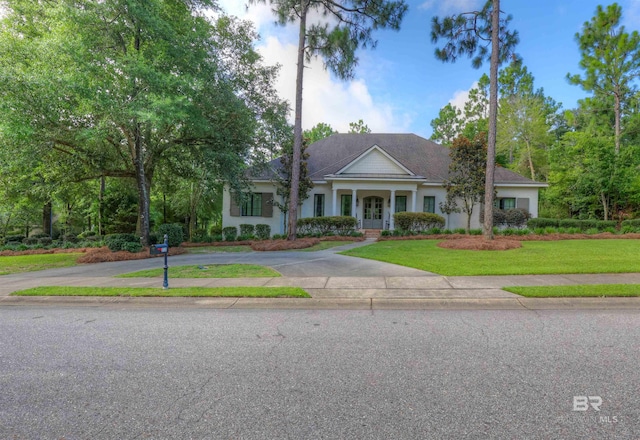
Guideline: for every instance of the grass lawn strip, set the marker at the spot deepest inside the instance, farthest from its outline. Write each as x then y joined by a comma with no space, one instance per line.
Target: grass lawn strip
324,245
577,291
30,263
534,258
208,271
245,292
215,249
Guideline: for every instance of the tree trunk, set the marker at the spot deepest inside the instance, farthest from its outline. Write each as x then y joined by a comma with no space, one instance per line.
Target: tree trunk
487,229
100,202
529,154
605,205
617,121
143,189
46,218
297,127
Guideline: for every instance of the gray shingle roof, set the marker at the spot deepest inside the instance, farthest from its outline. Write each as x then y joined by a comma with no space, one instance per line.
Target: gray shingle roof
419,155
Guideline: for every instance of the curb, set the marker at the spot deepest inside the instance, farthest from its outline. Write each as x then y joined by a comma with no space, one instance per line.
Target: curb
330,303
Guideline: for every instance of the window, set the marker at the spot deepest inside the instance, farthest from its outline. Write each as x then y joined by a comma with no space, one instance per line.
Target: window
252,207
345,204
429,204
318,205
401,203
507,203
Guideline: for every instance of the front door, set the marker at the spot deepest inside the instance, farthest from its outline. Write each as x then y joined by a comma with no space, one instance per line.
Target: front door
372,218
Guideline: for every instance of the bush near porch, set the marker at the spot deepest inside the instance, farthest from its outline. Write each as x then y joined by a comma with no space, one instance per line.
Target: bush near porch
417,221
333,225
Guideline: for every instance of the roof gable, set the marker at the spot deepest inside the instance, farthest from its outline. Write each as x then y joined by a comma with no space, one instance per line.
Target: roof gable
375,161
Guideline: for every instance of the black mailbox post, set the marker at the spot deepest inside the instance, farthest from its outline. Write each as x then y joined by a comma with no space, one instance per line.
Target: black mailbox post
162,249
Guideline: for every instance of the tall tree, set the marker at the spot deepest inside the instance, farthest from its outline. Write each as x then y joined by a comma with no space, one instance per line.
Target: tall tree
465,185
317,132
526,121
447,126
471,34
283,175
339,29
610,60
113,88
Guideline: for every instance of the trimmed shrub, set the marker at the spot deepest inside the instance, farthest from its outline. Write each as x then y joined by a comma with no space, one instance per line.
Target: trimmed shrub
475,231
132,247
541,223
14,238
279,237
606,225
118,242
516,218
45,241
30,241
155,238
230,233
322,226
632,223
417,221
174,231
263,232
247,231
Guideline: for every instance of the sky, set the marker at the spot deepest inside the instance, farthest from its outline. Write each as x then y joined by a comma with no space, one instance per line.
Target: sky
399,87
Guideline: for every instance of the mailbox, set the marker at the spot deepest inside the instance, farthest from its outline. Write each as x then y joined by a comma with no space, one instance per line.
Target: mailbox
158,249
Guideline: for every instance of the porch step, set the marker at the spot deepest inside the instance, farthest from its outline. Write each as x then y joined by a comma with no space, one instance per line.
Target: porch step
372,233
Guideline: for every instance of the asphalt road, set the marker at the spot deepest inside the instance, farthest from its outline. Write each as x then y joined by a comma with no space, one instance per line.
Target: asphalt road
100,373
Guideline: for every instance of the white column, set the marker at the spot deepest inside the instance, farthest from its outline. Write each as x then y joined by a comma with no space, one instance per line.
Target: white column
335,201
414,193
354,197
392,209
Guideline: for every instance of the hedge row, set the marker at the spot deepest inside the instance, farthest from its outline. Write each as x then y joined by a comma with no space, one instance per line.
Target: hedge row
417,221
340,225
247,232
583,225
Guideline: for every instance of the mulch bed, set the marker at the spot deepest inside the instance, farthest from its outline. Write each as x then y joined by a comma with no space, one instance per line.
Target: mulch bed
283,245
43,252
480,244
103,255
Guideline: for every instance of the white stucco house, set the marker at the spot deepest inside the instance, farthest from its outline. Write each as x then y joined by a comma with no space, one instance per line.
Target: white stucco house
371,176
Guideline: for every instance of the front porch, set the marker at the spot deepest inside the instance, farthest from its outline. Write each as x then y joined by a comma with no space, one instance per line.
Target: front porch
372,205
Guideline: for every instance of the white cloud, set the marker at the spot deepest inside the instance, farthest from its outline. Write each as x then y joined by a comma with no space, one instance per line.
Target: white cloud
325,99
451,6
460,97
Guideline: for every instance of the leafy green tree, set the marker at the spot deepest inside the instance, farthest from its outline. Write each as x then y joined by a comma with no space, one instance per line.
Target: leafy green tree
319,131
465,185
610,60
339,29
447,126
283,176
590,179
359,127
476,109
526,121
471,34
114,88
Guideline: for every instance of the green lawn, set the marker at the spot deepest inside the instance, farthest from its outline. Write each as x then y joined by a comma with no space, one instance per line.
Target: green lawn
257,292
535,257
324,245
209,271
215,249
586,290
30,263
